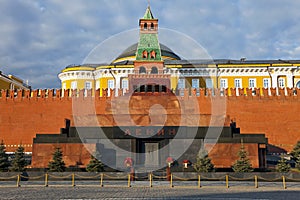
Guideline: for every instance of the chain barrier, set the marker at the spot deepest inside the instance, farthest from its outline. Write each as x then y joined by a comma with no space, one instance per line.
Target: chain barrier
8,178
88,177
150,177
60,177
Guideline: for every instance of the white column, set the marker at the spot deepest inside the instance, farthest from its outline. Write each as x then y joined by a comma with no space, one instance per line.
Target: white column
274,80
118,85
289,80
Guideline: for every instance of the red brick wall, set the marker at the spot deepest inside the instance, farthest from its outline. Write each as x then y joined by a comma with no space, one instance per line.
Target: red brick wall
22,117
73,154
224,155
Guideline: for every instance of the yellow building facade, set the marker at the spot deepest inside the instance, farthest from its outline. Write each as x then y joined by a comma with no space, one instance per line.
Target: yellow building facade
218,73
10,82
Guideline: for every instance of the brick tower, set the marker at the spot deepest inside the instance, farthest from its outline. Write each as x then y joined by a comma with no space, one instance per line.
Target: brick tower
149,67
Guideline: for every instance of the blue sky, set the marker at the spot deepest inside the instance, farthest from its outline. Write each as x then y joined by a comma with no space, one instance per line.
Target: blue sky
40,37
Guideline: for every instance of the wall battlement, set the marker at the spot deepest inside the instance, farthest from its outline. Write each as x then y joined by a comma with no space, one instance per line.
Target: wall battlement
58,94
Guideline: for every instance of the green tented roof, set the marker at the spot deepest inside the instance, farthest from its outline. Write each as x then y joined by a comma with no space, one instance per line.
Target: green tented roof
148,14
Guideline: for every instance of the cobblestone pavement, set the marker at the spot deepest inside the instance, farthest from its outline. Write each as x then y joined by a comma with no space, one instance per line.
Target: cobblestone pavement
142,192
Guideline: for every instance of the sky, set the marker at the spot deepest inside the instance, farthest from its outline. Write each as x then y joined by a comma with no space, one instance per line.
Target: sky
39,38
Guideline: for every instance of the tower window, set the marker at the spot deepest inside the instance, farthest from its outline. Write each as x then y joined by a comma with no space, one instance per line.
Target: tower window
153,54
145,26
152,26
142,70
145,54
154,70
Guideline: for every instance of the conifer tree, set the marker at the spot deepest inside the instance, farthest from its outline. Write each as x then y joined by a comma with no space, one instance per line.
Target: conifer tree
283,165
18,163
57,164
296,154
243,163
4,163
95,164
203,162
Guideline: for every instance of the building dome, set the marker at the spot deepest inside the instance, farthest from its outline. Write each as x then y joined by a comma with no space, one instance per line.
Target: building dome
130,54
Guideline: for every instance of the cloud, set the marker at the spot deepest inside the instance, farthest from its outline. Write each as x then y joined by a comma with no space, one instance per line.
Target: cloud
39,38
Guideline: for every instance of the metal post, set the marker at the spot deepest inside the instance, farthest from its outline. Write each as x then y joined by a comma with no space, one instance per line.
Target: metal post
283,182
150,178
46,180
73,180
227,181
171,180
129,185
18,180
199,181
256,182
101,180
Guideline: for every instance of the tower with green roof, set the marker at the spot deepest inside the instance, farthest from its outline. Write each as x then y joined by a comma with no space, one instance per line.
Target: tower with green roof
148,47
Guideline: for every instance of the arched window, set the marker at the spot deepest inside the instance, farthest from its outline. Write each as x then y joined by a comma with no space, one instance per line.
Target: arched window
298,85
152,26
153,54
145,26
142,70
145,54
154,70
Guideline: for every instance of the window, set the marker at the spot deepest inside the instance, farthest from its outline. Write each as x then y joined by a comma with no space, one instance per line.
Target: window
110,84
252,83
238,83
74,85
142,70
281,82
145,54
195,83
209,83
88,85
266,82
154,70
152,26
97,85
298,85
181,83
125,84
223,83
145,26
153,54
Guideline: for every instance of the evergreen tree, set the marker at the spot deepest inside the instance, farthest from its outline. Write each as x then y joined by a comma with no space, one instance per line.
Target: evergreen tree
95,164
283,165
203,162
18,163
296,152
243,163
57,164
4,163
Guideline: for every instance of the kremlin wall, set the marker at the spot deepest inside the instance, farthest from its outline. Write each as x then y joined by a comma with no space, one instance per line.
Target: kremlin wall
44,112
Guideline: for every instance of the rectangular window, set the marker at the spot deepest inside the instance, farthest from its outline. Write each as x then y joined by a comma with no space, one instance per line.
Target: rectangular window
97,85
88,85
252,83
223,83
125,84
266,82
209,83
281,82
111,84
195,83
74,85
238,83
181,83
